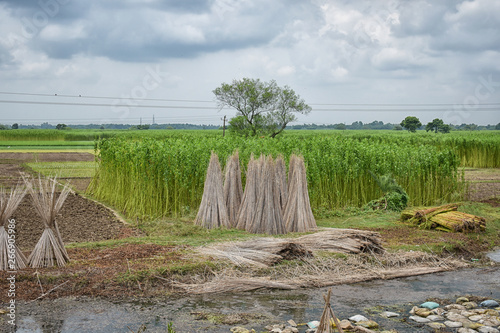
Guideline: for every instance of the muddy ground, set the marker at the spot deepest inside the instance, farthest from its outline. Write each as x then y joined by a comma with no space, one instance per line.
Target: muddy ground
116,272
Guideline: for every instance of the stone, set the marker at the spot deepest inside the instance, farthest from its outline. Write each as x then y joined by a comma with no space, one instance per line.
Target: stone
489,304
346,324
276,330
461,300
361,329
420,319
270,328
389,314
455,307
453,316
357,318
423,312
435,318
292,323
436,326
367,323
290,329
239,329
470,305
472,325
476,317
439,311
429,305
453,324
487,329
466,330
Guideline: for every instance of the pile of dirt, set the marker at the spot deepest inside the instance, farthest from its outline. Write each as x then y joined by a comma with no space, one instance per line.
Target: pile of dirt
80,220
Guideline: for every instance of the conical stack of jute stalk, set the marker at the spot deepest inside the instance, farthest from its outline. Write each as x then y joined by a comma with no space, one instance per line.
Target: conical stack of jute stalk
233,189
267,218
281,182
213,211
50,247
328,319
11,258
249,201
298,216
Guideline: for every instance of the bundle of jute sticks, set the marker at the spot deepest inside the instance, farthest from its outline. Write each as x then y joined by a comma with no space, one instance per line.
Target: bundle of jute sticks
271,203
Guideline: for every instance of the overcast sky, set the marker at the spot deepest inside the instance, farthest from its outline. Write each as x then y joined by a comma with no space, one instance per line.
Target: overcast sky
166,57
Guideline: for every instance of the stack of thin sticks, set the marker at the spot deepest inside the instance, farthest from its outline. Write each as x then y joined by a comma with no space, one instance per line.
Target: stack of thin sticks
49,250
233,190
213,211
297,215
270,204
11,258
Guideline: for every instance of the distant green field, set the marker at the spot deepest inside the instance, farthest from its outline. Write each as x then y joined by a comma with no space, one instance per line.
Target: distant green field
64,169
45,145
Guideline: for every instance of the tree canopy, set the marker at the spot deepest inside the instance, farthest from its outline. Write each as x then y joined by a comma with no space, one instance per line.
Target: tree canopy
411,123
437,125
263,108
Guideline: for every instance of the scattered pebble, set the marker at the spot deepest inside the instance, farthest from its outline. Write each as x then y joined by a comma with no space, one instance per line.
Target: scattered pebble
388,314
357,318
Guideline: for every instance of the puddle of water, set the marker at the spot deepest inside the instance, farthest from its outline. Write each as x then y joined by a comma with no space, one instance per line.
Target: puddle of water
368,298
495,256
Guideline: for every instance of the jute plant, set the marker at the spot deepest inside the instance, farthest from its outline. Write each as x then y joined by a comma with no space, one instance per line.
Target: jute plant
233,189
213,212
11,258
298,216
50,247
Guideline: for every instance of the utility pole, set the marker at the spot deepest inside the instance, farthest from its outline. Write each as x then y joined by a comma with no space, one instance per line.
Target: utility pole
224,127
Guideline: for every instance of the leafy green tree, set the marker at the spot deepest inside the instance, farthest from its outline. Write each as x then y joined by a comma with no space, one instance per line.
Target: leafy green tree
263,108
61,126
15,126
341,127
411,124
434,125
497,127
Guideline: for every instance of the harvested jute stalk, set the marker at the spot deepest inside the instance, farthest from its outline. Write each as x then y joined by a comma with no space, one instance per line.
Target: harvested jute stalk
267,218
297,215
213,212
249,201
50,247
233,189
281,182
328,317
11,258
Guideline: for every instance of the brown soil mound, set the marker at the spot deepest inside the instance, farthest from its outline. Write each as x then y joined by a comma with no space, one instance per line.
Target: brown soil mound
80,220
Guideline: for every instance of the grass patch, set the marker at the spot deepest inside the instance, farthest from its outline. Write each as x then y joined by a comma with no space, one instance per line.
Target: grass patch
64,169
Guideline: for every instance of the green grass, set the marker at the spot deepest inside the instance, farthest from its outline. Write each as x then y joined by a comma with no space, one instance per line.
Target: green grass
64,169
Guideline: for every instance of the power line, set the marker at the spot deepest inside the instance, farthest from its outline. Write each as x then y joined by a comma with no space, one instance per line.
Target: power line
216,108
208,101
104,97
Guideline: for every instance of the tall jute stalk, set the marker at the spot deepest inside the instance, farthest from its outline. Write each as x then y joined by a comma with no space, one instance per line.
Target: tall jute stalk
249,200
233,189
281,182
213,211
298,216
50,248
11,258
267,218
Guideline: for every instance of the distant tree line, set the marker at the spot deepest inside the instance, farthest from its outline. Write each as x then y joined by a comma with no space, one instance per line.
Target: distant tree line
357,125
